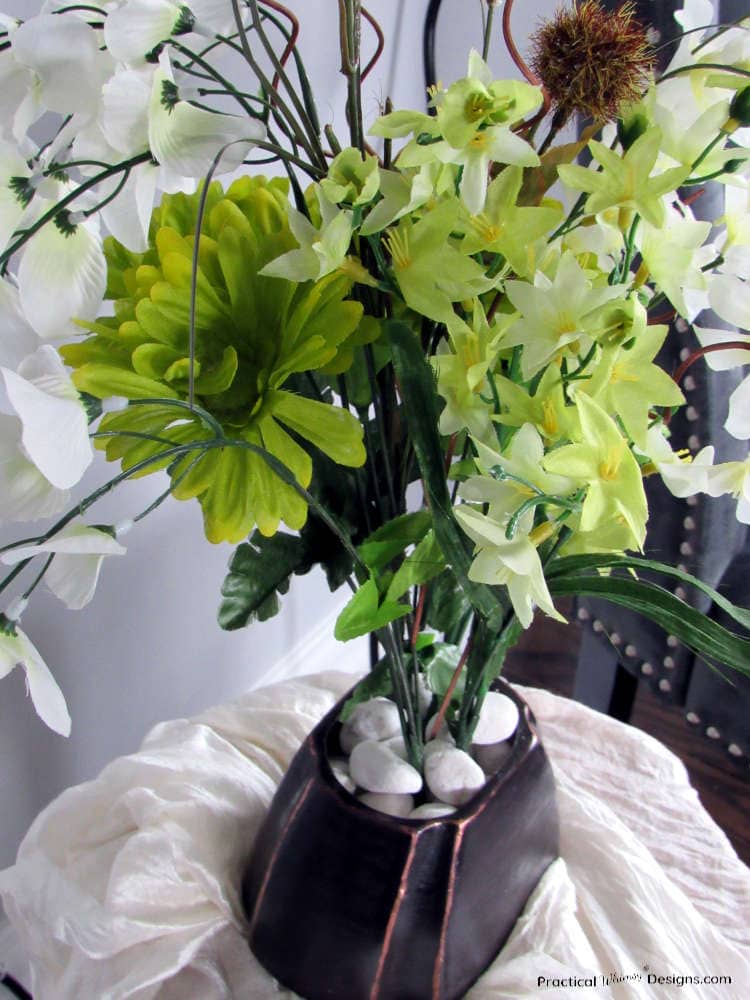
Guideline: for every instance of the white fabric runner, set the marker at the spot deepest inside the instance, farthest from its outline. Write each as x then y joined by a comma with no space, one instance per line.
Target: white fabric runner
127,886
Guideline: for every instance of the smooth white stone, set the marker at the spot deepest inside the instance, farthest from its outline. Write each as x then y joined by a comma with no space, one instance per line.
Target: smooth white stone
452,776
394,805
444,736
425,696
432,810
492,757
340,768
396,743
436,746
376,719
498,719
376,768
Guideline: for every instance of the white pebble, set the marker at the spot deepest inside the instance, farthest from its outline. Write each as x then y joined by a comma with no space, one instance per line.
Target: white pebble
432,810
340,768
444,733
394,805
376,719
434,746
396,743
498,719
452,776
376,768
424,694
492,757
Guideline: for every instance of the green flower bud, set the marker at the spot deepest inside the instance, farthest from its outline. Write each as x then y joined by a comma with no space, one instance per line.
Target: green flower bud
631,128
739,109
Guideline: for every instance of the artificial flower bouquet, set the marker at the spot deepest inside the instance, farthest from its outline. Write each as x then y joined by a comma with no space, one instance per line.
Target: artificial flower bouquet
423,358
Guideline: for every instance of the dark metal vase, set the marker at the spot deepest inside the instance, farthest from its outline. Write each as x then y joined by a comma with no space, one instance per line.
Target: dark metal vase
347,903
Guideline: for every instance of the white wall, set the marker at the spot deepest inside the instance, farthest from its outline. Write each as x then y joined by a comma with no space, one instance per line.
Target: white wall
148,647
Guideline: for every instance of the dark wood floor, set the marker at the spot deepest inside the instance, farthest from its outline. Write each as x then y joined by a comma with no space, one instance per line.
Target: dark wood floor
546,657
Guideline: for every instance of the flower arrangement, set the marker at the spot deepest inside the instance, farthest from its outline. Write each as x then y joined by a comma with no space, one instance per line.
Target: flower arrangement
429,352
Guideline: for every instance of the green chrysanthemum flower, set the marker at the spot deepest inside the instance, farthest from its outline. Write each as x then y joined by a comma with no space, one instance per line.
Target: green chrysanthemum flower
252,333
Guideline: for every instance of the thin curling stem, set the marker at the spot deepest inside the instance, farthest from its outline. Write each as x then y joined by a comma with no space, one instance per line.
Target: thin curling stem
512,48
280,104
381,42
293,36
313,148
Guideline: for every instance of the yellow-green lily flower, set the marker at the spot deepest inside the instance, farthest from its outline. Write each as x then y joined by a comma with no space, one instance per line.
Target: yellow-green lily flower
478,100
627,384
507,229
546,410
604,463
556,316
626,179
431,272
352,178
461,366
513,563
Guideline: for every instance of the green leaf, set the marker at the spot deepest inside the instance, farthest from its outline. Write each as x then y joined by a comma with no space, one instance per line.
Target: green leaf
259,569
441,668
376,684
392,538
364,613
698,632
420,405
447,609
423,564
573,565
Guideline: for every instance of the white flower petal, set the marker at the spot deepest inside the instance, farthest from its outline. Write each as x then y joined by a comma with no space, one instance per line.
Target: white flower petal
721,361
187,139
738,422
62,277
63,52
127,216
72,579
55,427
730,299
25,494
17,339
138,26
45,692
124,112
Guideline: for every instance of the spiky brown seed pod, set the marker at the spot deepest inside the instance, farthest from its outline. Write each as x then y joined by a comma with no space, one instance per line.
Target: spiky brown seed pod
591,60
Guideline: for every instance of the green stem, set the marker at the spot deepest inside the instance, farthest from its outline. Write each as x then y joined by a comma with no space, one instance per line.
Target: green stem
488,29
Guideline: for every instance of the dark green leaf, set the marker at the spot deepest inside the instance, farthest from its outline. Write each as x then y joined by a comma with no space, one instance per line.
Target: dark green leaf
420,406
258,570
573,565
698,632
447,609
364,613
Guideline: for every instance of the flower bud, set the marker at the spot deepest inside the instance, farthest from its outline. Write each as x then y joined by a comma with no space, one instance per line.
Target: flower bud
739,109
631,128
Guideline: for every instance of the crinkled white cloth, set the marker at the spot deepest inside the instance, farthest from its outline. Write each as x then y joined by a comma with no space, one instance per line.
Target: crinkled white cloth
128,886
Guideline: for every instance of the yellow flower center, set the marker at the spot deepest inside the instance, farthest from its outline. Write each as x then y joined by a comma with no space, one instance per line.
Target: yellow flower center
476,107
550,422
397,244
487,231
620,373
480,140
610,466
